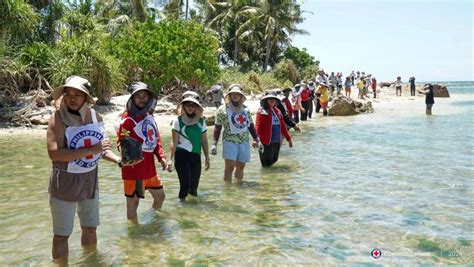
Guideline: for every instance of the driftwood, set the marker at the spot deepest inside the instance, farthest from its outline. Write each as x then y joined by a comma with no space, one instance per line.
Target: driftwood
24,114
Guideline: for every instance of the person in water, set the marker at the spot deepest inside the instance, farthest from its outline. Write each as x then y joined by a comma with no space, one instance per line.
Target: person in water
189,136
284,105
76,140
138,123
323,93
270,128
429,97
236,120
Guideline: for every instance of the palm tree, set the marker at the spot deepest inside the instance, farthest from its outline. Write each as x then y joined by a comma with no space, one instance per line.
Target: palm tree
230,19
279,19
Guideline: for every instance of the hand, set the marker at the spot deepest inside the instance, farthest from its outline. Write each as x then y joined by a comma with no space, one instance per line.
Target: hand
131,163
207,163
213,150
261,148
290,144
297,128
169,165
101,147
255,144
164,165
303,110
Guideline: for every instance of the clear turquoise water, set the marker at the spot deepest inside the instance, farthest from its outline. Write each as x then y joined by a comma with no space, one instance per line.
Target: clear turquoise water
401,184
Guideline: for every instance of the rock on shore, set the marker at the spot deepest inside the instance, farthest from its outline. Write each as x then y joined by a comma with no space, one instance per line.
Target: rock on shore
347,107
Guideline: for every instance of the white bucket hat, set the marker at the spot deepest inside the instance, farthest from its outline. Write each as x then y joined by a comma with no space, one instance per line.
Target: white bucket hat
75,82
235,88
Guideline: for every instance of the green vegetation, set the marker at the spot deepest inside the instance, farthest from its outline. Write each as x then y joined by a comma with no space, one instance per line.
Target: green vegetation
113,43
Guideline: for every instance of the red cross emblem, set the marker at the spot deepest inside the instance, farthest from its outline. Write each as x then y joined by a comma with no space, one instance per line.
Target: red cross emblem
241,119
88,143
376,253
150,133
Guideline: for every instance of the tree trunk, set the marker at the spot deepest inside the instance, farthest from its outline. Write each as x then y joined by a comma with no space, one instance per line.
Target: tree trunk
187,9
267,53
236,50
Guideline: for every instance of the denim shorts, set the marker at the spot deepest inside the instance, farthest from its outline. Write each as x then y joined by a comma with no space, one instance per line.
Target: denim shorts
234,151
63,213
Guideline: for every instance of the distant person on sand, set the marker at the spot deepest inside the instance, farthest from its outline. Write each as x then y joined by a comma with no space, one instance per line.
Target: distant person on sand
76,140
217,95
398,85
270,128
236,119
188,138
360,87
429,97
332,83
347,86
374,86
323,93
339,83
321,77
352,77
138,123
412,85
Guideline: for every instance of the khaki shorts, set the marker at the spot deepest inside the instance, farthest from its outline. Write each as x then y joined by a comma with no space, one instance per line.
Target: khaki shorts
63,213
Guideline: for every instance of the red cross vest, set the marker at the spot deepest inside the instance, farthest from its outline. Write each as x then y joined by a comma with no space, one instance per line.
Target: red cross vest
238,121
85,136
147,130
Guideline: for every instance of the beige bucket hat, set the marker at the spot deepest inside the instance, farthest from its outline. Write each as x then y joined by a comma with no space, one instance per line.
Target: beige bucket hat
75,82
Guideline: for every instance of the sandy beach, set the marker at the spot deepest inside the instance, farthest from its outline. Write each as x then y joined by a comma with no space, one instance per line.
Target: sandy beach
387,106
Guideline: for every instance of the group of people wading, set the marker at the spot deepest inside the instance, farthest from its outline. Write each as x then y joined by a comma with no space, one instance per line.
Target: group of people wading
76,140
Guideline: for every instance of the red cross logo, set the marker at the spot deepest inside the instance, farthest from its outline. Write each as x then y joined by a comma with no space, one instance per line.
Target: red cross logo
150,133
376,253
88,143
241,119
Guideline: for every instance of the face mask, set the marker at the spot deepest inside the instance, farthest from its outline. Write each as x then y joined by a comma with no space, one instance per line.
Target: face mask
236,104
191,115
74,112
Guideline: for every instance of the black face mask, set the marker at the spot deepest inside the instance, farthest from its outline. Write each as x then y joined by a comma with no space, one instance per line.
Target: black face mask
236,104
191,115
73,112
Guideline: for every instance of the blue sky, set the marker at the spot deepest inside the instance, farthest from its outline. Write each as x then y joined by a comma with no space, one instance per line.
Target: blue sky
431,40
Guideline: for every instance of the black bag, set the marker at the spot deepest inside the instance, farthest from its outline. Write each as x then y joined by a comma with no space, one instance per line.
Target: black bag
131,150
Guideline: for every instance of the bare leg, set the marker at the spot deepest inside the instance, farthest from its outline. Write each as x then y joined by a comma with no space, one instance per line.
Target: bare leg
228,170
60,248
89,237
239,171
132,206
158,197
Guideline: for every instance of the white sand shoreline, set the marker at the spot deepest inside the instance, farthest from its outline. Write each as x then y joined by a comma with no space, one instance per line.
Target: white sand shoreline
387,106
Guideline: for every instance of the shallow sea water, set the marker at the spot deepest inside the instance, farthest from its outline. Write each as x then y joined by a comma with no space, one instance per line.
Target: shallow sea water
401,185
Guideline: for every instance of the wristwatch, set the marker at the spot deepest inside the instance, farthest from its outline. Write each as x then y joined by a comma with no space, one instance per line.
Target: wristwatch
120,163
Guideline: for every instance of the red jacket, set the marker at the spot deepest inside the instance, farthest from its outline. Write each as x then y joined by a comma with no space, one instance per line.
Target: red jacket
288,106
145,169
305,94
263,123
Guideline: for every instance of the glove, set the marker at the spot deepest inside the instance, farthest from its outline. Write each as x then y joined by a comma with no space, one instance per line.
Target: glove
213,150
